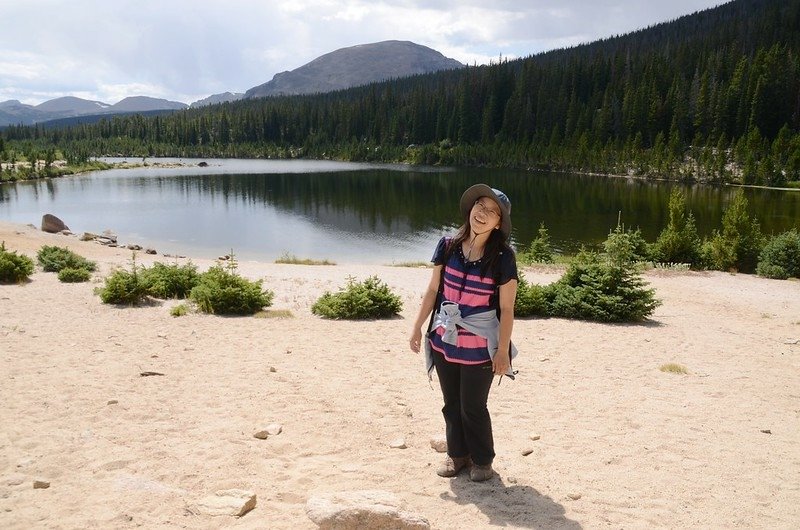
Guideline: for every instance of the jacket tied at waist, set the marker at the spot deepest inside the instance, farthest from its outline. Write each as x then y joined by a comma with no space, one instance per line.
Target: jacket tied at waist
484,324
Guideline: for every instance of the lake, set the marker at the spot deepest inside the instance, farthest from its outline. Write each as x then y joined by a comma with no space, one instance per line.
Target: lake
352,212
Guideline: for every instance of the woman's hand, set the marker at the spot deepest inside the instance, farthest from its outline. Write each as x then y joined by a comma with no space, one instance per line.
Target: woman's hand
415,340
501,363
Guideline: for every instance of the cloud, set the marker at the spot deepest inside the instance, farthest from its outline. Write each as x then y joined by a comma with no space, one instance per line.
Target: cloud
183,49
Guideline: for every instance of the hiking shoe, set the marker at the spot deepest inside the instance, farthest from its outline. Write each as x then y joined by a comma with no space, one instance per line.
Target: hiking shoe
452,465
480,473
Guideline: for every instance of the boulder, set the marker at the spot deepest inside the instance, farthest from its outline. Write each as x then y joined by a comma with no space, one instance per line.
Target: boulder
52,224
374,509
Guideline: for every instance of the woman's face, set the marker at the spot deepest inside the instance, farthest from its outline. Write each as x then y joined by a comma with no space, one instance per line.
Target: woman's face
484,216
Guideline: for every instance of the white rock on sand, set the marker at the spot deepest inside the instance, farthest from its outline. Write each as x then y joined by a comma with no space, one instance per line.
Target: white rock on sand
642,447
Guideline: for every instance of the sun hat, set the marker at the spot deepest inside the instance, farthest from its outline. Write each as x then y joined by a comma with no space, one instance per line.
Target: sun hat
477,191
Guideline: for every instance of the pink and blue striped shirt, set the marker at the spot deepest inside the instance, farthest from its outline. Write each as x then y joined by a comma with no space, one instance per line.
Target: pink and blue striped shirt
464,285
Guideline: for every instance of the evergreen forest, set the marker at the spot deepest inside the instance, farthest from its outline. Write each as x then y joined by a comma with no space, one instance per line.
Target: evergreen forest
713,96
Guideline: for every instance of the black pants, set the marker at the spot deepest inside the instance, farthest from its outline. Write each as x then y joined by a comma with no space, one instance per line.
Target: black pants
465,389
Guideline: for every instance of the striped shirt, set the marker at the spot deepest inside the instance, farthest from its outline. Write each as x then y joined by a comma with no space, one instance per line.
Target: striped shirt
464,285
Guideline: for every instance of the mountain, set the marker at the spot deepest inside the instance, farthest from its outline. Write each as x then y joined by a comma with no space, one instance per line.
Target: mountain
72,106
217,98
12,112
144,103
354,66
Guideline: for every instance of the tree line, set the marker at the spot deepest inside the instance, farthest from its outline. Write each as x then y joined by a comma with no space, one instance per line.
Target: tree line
713,96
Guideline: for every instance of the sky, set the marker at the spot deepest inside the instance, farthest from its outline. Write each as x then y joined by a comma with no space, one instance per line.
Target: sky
185,50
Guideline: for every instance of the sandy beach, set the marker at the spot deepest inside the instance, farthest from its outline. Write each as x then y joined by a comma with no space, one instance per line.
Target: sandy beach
620,443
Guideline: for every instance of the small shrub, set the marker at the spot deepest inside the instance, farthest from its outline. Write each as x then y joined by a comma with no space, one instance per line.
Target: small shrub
678,242
224,292
14,268
70,275
604,288
531,299
170,281
359,301
674,368
540,249
124,287
739,244
780,258
54,259
179,310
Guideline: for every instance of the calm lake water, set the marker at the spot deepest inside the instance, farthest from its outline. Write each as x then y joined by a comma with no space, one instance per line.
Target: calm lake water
351,212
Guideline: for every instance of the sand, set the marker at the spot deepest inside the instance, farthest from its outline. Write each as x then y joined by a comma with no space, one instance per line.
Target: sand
621,443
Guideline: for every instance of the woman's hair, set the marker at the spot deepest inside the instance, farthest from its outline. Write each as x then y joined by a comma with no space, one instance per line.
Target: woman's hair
491,252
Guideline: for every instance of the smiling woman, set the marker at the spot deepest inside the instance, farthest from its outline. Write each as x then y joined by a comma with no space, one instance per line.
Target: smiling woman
470,298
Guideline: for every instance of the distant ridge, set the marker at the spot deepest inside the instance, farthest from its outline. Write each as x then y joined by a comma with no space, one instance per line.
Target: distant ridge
354,66
217,98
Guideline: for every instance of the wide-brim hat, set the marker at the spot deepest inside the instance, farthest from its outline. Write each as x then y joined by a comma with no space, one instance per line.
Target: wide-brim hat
477,191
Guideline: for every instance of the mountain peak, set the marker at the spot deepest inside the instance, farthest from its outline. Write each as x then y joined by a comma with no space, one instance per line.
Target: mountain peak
356,65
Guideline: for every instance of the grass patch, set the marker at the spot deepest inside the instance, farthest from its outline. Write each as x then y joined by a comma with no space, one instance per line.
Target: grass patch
291,259
674,368
274,313
179,310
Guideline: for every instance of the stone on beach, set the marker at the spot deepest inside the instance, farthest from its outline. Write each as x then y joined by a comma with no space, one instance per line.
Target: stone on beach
362,509
439,443
52,224
233,502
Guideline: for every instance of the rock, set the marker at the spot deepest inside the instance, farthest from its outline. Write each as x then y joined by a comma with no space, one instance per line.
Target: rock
512,480
274,428
272,369
261,435
52,224
88,236
226,502
65,233
766,431
202,164
362,509
112,402
574,496
439,443
133,247
399,443
150,251
535,437
527,451
40,484
108,234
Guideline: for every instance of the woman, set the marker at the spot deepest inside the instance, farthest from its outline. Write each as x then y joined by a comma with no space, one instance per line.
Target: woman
471,293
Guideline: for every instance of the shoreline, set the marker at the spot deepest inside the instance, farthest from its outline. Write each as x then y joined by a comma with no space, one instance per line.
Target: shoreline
620,442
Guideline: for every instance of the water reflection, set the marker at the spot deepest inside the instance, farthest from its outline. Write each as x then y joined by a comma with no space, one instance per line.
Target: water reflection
350,212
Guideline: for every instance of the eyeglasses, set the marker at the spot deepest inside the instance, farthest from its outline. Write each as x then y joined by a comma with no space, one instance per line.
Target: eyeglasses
486,210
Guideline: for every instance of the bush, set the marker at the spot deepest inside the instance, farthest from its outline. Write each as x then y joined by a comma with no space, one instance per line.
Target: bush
604,287
780,257
70,275
179,310
54,259
739,244
359,301
540,249
223,292
125,287
678,242
170,281
14,268
531,299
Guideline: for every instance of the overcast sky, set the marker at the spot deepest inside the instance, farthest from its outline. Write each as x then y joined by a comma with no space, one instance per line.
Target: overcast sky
185,50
